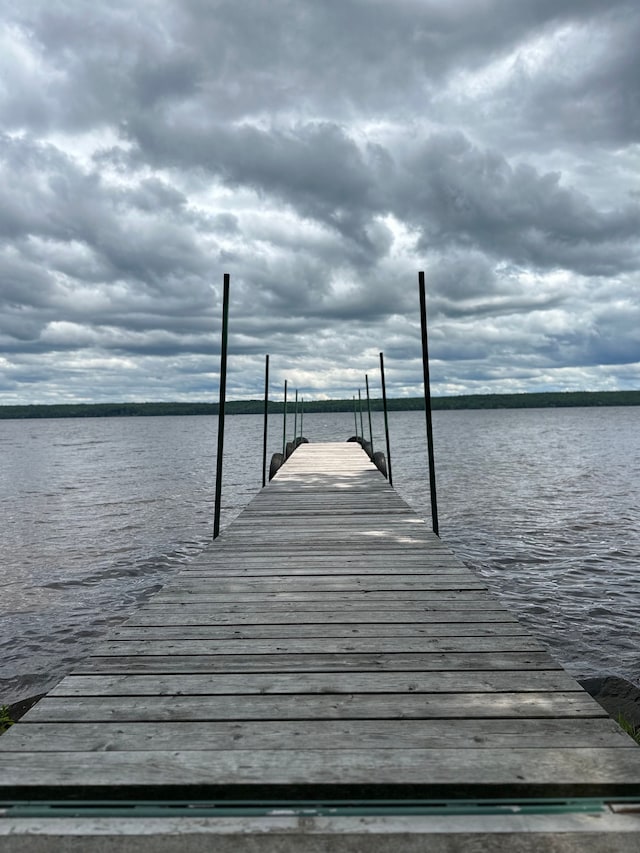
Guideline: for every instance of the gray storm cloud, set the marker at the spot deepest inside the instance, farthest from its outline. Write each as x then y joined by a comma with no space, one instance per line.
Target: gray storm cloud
322,153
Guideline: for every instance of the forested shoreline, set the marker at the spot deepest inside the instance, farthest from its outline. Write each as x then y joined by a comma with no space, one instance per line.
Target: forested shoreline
550,399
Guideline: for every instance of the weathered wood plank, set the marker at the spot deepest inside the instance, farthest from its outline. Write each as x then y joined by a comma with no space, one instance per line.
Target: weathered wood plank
347,601
320,707
288,556
454,593
348,583
330,645
318,541
355,530
310,682
175,615
354,536
300,591
536,733
350,518
437,772
319,662
275,569
319,631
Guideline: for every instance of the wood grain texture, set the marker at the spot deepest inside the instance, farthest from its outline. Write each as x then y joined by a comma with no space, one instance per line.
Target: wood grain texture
319,662
585,732
180,614
314,682
294,706
319,631
428,772
330,645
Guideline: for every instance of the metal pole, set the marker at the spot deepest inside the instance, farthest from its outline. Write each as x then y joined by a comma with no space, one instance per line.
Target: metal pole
301,414
221,405
355,415
386,419
361,421
295,418
427,404
266,422
366,379
284,425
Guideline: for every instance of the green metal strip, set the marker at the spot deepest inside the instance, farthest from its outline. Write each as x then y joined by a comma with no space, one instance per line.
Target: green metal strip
307,808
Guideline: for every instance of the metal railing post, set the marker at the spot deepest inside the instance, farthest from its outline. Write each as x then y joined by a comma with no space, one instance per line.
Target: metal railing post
386,419
266,422
366,379
284,423
427,404
221,405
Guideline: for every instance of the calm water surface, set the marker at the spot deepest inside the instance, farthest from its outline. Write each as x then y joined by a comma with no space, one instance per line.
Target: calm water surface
98,513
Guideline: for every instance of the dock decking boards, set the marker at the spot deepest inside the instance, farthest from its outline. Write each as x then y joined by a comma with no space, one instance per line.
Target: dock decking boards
326,645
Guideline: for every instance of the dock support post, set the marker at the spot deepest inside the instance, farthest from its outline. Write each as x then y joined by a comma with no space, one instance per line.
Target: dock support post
266,421
366,379
221,406
355,415
386,419
427,404
295,419
301,414
361,421
284,424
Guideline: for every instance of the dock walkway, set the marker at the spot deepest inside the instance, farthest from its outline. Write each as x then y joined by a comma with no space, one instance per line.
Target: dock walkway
327,645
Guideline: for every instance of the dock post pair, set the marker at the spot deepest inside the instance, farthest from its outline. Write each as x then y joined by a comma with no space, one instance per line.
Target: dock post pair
222,401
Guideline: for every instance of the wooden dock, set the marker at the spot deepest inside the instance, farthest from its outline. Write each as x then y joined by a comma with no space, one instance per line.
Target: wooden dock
326,646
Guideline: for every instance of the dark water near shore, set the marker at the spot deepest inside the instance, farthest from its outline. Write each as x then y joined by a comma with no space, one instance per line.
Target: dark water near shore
98,513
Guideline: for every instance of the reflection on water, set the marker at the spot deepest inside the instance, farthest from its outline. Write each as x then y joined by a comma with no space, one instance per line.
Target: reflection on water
98,513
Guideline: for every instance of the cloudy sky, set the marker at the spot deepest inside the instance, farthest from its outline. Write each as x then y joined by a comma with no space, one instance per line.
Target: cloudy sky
322,152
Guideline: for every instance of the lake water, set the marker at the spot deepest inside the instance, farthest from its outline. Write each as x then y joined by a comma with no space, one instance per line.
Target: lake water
98,513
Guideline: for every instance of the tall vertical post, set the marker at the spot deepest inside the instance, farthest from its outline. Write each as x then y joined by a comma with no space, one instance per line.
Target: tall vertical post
427,404
355,415
284,423
366,379
295,419
361,421
266,422
301,414
221,405
386,418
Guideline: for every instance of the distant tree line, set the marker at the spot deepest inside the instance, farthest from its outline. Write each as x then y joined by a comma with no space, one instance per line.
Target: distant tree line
543,400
